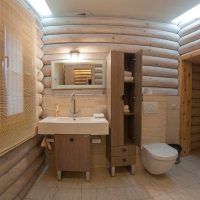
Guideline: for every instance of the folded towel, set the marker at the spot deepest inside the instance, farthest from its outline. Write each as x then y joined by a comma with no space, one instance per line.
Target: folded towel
126,110
128,79
126,106
127,73
98,115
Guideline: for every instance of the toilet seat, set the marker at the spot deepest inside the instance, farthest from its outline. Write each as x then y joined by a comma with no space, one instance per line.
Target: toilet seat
161,151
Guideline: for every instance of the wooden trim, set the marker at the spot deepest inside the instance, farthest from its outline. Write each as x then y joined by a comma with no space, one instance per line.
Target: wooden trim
185,91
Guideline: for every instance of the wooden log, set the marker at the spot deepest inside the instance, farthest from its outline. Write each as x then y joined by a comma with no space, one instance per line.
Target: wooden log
15,189
196,129
46,70
196,76
190,47
196,68
28,186
192,27
39,99
39,33
196,138
10,159
160,62
39,87
39,53
149,81
109,29
40,43
87,56
109,21
190,38
159,72
39,75
159,91
14,173
39,111
106,47
195,112
196,85
195,103
38,63
47,82
195,94
195,146
110,38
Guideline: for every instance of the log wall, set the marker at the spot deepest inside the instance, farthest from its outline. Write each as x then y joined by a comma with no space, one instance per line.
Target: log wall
189,37
38,71
94,37
20,168
195,122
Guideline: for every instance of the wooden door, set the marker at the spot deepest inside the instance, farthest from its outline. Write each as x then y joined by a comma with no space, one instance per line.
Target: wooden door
138,99
72,152
117,104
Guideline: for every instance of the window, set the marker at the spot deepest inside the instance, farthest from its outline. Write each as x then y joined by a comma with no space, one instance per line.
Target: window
13,73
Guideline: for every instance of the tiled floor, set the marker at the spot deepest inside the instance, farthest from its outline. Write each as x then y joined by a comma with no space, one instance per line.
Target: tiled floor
182,182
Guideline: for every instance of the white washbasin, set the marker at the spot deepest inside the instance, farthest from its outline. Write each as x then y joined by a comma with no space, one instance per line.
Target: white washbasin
67,125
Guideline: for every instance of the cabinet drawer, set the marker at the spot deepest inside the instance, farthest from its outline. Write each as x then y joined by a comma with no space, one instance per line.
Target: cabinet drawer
123,150
122,160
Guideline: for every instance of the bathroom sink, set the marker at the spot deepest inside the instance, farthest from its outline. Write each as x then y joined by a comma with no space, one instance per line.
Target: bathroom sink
69,125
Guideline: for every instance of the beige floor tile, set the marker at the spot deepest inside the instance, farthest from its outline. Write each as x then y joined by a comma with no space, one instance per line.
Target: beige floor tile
163,197
142,192
181,195
95,183
153,189
117,181
47,180
67,194
88,194
41,193
194,191
102,194
71,183
117,193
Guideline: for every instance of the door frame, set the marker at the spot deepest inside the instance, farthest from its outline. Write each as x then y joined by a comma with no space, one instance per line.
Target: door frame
185,92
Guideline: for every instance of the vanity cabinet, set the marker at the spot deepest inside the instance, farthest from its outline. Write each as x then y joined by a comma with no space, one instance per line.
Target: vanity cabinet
72,153
125,126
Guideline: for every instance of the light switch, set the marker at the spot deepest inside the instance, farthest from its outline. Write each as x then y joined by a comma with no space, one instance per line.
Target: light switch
150,107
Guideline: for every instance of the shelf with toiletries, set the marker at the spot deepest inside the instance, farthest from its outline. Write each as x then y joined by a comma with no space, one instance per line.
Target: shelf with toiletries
124,108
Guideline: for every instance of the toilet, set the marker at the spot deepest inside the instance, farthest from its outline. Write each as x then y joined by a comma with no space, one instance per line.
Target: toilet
158,158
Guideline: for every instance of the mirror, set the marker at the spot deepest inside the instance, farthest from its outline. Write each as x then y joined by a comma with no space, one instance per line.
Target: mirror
68,74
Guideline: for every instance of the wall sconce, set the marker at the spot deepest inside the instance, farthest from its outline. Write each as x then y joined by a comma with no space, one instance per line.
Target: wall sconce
74,55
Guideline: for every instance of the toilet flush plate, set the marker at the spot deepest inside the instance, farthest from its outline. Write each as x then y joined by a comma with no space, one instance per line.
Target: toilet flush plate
150,107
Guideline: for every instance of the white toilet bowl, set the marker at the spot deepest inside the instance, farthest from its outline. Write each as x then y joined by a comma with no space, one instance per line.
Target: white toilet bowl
158,158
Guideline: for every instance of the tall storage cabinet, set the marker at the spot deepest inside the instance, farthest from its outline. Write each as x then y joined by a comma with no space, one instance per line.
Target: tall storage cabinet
124,96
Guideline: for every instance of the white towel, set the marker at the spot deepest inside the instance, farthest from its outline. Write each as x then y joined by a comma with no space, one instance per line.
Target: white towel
128,79
127,73
98,115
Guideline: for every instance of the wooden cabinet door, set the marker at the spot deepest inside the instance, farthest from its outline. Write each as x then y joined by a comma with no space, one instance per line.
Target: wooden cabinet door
72,152
138,99
117,104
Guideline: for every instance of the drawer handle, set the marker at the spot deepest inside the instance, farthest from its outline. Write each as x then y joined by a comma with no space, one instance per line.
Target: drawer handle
124,160
71,139
123,149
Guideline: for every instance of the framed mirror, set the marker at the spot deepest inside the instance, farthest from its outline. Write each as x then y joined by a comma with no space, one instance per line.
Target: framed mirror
68,74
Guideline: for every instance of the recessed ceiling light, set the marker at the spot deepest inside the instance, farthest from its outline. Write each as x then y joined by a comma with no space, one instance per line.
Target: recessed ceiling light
188,15
41,7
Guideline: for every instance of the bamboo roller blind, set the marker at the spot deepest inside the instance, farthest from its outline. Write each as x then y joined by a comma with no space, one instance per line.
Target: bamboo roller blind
17,74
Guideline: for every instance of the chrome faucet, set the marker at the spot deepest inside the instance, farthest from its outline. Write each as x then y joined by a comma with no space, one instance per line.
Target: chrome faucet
74,112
